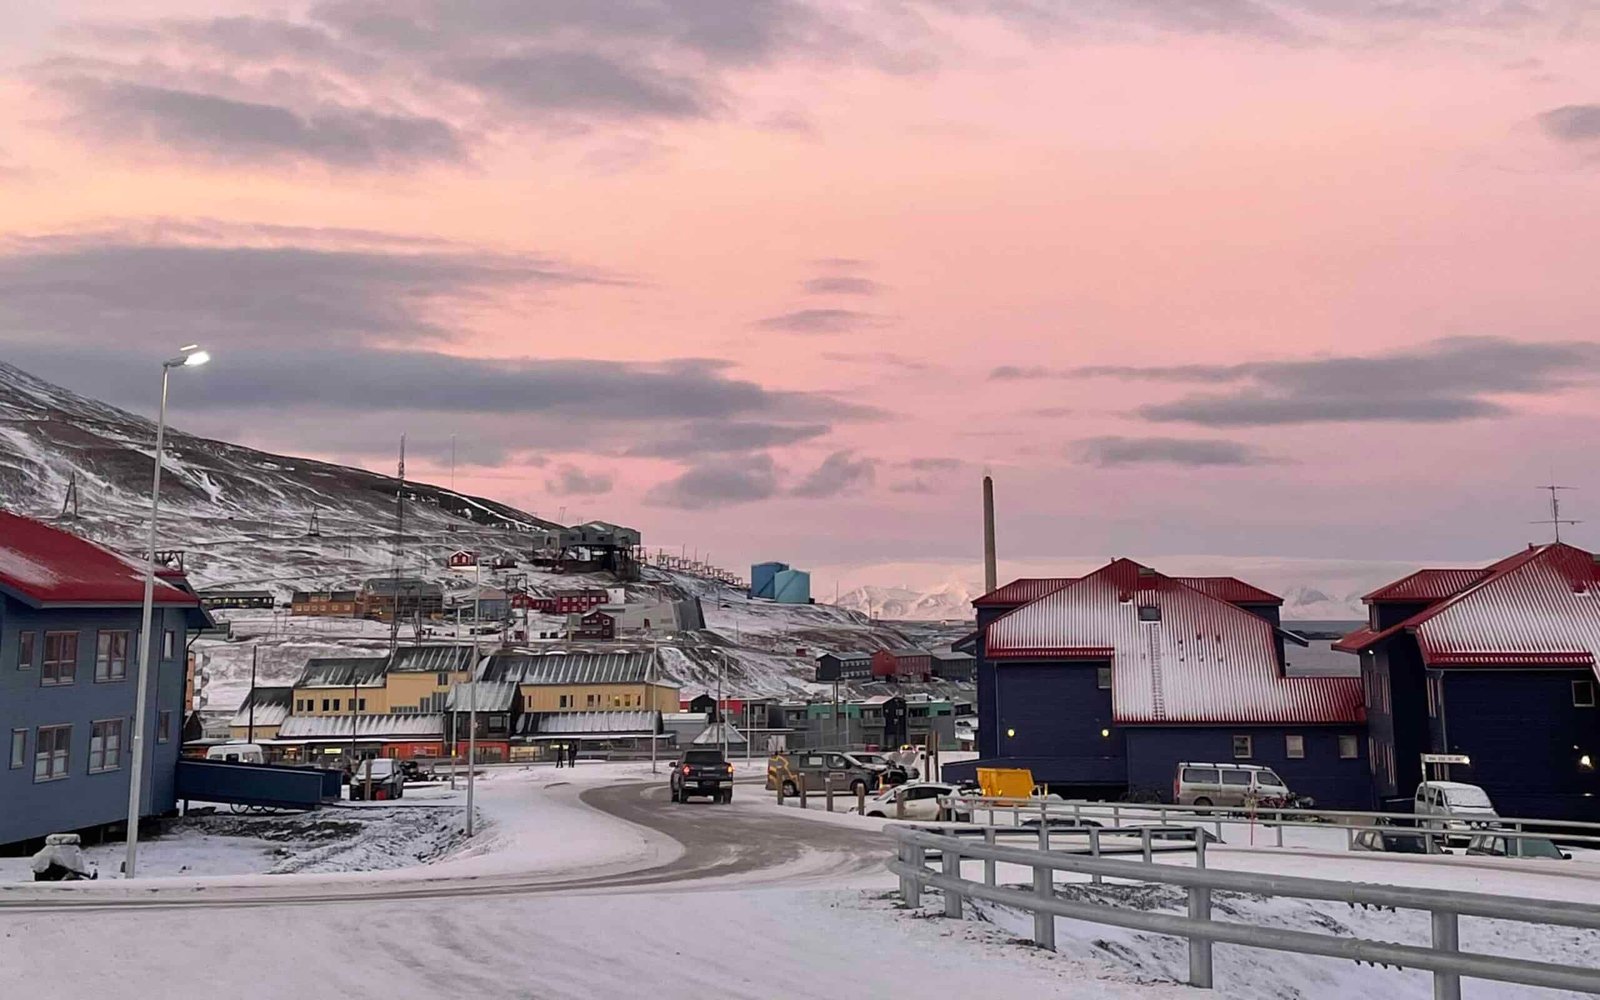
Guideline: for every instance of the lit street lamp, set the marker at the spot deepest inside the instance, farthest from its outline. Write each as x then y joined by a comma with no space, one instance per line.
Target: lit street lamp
189,356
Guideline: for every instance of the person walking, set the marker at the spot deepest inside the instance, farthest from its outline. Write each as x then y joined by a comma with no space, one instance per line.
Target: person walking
572,754
561,754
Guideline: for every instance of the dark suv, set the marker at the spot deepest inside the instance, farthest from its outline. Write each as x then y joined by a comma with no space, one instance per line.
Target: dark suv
702,772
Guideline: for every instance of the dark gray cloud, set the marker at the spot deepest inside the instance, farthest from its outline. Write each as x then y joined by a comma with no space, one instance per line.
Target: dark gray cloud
1577,123
818,321
569,480
841,285
1018,373
840,472
934,464
1452,379
886,359
589,82
228,130
912,486
1111,452
714,436
720,482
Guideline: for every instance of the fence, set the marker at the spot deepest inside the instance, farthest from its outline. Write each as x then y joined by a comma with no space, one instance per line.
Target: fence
1442,956
1429,826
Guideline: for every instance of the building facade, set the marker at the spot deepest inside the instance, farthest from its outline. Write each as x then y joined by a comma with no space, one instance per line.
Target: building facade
904,665
325,603
847,666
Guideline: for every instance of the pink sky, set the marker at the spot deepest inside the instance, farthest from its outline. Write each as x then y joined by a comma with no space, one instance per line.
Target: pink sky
1207,183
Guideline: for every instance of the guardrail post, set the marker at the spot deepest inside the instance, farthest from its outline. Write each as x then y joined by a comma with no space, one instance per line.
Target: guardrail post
1349,837
952,897
1094,850
1116,815
780,791
1077,814
1044,924
1199,948
988,863
1199,848
911,888
827,786
800,779
1446,937
899,807
861,800
1280,829
1144,838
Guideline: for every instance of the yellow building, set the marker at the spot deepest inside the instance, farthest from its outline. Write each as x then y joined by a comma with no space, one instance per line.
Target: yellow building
584,681
263,711
342,685
418,678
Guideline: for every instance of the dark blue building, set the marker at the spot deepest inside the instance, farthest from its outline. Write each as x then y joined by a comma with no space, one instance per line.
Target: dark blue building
1102,685
69,664
1496,664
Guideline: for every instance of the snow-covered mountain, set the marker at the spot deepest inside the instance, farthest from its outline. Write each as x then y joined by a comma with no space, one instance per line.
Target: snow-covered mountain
950,602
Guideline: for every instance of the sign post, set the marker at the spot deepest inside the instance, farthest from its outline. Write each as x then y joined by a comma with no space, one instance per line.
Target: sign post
1442,758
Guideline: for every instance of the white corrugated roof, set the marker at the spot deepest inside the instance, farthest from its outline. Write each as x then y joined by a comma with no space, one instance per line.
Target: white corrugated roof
491,696
712,736
312,727
272,706
623,723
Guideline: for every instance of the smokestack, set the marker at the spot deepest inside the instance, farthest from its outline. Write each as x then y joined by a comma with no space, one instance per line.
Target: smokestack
989,580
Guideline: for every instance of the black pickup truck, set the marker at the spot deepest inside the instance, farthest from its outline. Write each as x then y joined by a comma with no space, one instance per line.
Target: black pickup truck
702,772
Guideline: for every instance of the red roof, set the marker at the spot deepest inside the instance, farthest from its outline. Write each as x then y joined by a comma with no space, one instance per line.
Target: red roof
1540,607
1230,589
1204,661
1428,585
46,566
1022,591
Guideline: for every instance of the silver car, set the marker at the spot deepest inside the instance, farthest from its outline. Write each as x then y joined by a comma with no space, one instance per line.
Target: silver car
1230,786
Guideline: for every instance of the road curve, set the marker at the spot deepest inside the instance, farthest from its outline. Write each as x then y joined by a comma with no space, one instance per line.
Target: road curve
750,844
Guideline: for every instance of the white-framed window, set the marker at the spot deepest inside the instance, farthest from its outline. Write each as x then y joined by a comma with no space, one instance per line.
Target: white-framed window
1242,748
1583,694
1294,746
26,642
324,704
1102,678
1433,698
19,748
111,655
1349,748
60,658
164,726
105,746
52,750
169,644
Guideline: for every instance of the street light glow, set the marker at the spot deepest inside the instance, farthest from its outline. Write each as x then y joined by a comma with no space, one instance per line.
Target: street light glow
196,358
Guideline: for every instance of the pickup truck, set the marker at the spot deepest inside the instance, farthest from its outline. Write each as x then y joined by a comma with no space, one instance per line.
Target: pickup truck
702,772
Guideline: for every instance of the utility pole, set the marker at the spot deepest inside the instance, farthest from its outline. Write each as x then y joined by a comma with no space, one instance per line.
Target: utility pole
250,733
472,689
1555,520
399,535
655,656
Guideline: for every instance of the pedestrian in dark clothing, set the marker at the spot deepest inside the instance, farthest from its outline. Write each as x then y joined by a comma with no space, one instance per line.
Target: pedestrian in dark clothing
561,754
572,755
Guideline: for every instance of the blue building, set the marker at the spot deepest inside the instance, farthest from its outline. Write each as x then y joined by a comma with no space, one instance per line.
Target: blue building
763,577
1497,664
1101,685
69,663
792,586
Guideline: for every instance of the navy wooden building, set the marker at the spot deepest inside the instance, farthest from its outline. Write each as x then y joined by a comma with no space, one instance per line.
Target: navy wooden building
1100,685
1497,664
856,665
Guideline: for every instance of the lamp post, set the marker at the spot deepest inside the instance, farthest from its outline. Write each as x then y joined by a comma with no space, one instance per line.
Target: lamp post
472,687
189,356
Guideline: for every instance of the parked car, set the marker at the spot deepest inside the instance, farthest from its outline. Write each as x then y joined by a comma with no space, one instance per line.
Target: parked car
388,779
848,771
702,772
920,799
1233,786
1498,845
1394,841
241,753
897,770
1467,807
412,770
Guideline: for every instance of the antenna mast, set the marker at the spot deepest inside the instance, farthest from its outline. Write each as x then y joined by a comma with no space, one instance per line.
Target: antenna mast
399,542
1555,520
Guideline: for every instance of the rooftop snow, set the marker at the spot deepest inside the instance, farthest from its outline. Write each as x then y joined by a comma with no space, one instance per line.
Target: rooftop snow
271,705
46,566
312,727
569,668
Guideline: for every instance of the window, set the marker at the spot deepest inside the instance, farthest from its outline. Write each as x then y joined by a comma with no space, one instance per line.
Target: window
359,703
1236,777
50,752
1241,748
324,704
105,746
111,656
60,658
169,644
1201,775
1349,749
1433,699
336,704
1583,694
25,650
1102,678
593,701
164,726
19,748
1294,747
1149,613
442,679
566,700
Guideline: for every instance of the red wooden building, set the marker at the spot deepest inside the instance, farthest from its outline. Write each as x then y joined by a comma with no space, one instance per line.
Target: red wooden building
902,665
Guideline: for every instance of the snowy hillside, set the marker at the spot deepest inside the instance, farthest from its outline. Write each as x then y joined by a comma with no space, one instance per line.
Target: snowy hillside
950,602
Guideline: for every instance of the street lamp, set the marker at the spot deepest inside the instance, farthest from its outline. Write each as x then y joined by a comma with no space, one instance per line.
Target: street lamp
189,356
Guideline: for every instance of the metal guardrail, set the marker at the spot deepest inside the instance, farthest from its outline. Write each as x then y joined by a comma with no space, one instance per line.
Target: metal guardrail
1442,957
1351,821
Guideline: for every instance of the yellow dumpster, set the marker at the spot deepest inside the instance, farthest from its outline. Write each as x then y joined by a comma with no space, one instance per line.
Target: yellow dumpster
1007,783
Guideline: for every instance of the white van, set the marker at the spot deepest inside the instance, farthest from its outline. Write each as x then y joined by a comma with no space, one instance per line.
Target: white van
1233,786
242,753
1467,806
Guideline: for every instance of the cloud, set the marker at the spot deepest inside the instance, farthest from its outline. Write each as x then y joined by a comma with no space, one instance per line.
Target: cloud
934,464
1444,380
586,82
712,436
839,473
1051,412
236,131
1111,452
1018,373
841,285
818,321
720,482
1577,123
883,358
912,486
839,263
570,480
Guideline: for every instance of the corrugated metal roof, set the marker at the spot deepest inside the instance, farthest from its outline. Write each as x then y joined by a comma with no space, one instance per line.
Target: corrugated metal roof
568,667
408,586
713,736
1022,591
1427,585
1230,589
399,727
634,723
47,566
271,705
430,659
950,655
343,672
1203,661
492,696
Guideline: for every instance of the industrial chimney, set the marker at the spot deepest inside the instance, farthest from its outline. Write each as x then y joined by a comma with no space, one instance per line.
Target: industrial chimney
989,580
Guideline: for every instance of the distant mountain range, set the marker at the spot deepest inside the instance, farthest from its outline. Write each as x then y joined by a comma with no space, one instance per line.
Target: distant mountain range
953,601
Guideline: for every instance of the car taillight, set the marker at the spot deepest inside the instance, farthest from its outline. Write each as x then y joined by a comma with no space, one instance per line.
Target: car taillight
686,769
